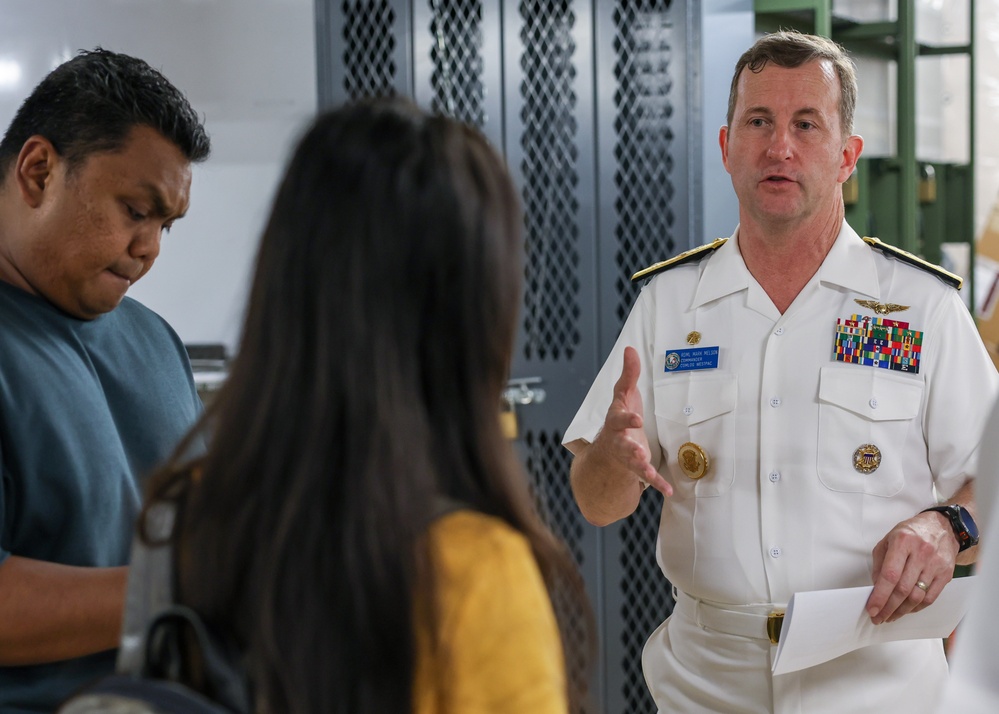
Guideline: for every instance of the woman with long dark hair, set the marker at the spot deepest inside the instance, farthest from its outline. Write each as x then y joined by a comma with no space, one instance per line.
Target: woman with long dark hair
362,406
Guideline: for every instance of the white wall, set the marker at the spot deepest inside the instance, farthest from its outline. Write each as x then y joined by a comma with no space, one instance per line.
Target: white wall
249,67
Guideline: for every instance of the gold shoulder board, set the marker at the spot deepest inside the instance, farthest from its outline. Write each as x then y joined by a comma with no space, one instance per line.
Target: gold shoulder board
684,257
907,257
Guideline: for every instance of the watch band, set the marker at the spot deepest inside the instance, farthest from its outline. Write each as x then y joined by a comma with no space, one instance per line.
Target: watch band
961,521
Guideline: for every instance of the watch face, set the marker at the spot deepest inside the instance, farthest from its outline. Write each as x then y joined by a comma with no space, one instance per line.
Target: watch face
969,524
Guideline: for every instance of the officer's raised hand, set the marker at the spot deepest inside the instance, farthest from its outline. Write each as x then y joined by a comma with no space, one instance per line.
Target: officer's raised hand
609,475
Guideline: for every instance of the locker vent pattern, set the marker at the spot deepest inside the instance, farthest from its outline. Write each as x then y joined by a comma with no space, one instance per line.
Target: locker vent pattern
643,149
548,465
456,55
646,598
551,176
369,45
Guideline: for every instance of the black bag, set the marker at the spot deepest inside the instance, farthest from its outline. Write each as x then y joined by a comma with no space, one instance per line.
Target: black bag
155,659
164,646
125,694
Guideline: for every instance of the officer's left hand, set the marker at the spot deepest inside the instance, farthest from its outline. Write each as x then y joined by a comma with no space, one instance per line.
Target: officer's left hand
921,549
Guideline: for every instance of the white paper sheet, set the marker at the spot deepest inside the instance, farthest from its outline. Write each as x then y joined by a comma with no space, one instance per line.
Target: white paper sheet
823,624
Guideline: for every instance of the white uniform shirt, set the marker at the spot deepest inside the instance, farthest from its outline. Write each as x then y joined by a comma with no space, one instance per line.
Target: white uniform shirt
782,508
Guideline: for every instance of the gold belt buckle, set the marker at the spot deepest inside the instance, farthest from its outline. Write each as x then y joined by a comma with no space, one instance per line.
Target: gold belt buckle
774,623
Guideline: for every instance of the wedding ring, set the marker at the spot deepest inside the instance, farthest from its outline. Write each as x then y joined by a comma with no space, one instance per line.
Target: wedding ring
922,586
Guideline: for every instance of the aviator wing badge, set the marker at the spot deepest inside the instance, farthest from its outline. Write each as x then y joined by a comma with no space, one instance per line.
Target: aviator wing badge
881,308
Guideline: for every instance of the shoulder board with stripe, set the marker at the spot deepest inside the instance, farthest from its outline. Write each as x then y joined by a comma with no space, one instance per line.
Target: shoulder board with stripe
948,277
684,257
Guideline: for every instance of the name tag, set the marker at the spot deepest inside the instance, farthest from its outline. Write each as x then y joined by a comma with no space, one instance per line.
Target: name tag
691,359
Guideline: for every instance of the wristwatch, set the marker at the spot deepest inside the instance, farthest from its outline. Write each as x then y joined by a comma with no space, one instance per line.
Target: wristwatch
962,523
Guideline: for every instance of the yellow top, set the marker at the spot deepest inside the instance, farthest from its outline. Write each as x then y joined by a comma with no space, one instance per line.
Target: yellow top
499,651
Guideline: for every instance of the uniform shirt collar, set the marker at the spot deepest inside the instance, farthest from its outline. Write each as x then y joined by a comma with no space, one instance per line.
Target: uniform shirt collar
725,273
849,264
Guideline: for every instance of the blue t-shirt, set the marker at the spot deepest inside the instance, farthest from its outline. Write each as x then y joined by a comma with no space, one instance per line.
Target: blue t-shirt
87,408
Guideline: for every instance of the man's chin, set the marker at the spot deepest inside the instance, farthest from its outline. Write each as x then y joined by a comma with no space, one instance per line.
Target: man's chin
92,309
781,208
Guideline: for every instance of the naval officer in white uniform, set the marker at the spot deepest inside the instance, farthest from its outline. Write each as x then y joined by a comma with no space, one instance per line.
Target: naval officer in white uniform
801,396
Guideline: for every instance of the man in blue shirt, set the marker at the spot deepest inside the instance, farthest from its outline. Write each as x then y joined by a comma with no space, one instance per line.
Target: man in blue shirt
95,389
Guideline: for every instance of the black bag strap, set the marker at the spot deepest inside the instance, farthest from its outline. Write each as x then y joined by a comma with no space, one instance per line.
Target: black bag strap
150,585
158,635
169,640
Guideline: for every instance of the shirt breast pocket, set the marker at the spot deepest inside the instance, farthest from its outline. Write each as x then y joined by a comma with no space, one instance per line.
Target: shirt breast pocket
698,408
863,407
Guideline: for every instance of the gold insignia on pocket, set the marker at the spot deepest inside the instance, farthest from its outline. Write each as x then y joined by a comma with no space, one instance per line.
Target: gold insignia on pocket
881,308
867,458
693,337
692,460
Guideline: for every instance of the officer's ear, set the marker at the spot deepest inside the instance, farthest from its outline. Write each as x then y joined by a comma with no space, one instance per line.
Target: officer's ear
33,169
853,147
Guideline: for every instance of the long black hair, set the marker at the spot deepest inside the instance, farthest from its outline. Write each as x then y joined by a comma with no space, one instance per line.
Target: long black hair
376,343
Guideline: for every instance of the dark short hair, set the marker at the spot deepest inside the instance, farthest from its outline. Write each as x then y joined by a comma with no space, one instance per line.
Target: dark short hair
790,49
92,102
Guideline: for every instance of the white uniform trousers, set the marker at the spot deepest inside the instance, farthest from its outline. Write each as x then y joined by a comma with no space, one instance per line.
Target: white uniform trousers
691,669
